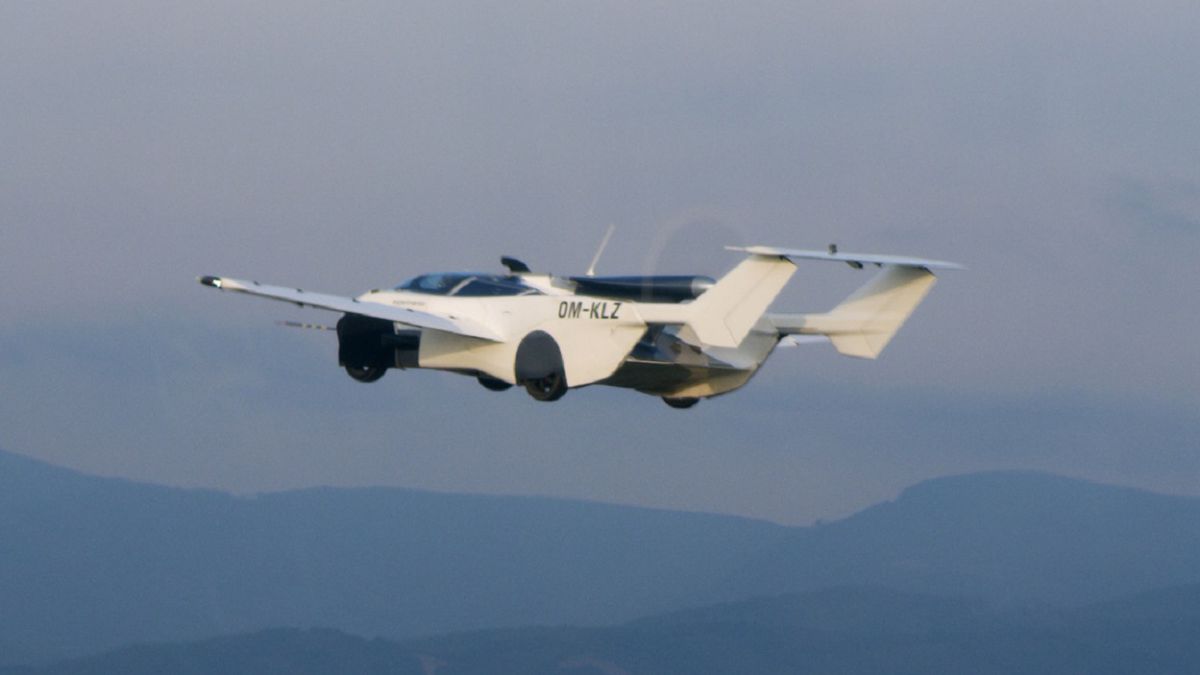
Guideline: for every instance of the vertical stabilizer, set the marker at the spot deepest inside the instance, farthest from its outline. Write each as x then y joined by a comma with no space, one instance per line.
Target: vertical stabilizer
864,323
725,313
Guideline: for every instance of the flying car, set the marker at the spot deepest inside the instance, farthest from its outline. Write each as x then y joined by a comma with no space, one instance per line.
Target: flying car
681,338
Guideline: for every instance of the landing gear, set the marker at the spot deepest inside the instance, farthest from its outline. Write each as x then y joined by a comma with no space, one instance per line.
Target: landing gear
366,373
539,366
548,388
683,402
361,350
493,384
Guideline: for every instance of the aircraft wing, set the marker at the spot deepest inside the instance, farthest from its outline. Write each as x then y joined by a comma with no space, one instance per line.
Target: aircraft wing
852,258
448,324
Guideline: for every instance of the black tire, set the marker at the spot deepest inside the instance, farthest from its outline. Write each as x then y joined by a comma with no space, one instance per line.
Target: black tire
539,366
681,403
493,384
549,388
366,373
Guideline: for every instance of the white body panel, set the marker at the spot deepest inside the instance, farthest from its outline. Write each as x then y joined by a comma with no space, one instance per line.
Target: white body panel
593,334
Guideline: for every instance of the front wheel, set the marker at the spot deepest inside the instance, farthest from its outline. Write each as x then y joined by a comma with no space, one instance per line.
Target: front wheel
548,388
366,373
683,402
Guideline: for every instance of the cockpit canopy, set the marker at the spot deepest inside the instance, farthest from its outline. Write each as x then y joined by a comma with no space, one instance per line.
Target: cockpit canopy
466,284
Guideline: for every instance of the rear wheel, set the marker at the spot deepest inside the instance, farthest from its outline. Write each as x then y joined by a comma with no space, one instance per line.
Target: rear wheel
366,373
683,402
548,388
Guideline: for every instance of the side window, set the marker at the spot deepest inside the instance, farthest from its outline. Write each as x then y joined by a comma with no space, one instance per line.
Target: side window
483,287
467,285
434,283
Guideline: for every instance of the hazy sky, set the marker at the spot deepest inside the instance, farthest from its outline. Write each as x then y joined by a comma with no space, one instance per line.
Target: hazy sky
1054,148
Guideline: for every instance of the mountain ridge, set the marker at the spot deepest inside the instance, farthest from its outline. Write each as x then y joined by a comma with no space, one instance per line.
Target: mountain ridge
1017,536
130,561
846,630
51,469
134,562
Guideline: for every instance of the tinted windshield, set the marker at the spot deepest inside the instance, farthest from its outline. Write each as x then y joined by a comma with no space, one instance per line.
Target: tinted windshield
466,285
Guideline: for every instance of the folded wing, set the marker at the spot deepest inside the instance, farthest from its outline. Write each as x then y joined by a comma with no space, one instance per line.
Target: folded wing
411,317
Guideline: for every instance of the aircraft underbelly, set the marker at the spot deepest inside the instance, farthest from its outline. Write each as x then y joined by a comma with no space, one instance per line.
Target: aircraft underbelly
447,351
662,364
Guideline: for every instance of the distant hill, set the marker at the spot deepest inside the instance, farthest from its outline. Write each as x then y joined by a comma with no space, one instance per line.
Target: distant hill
89,564
845,630
1015,537
286,651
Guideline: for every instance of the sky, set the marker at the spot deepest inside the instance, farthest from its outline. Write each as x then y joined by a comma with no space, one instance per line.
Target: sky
1052,148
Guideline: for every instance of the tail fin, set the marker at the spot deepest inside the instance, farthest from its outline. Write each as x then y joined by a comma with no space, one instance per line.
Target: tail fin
725,313
864,323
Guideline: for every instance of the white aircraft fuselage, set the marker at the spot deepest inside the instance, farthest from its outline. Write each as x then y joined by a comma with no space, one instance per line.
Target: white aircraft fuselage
680,338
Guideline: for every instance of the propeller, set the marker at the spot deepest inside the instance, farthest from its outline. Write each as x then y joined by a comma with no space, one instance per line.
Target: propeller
591,270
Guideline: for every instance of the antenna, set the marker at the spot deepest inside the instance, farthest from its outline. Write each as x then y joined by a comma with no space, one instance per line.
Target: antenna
591,270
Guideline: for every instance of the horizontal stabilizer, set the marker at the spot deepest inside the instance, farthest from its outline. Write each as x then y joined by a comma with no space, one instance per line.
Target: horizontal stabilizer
856,259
